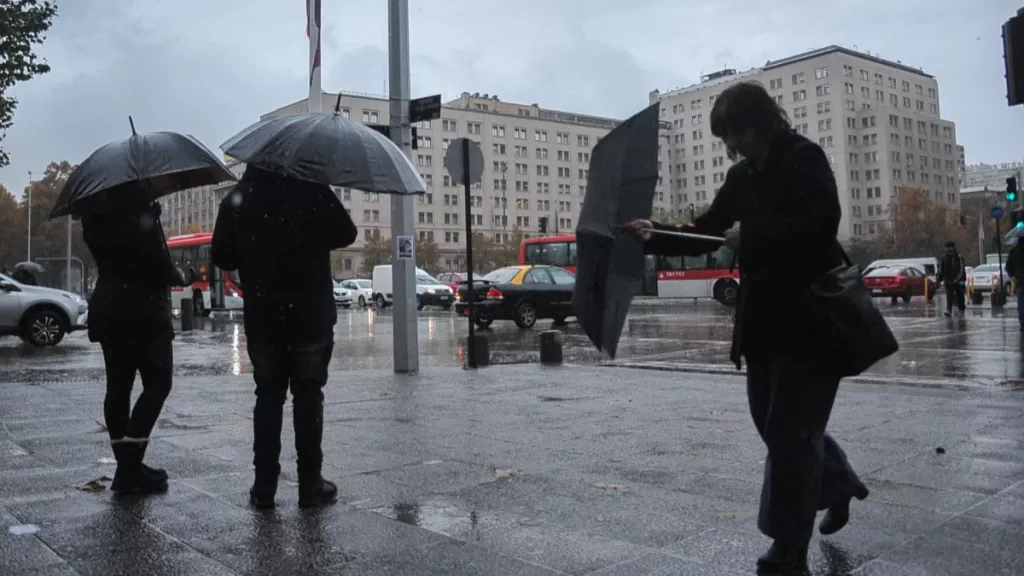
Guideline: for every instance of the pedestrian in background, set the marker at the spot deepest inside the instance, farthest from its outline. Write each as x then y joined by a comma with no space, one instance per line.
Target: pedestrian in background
130,317
778,205
953,274
278,232
1015,270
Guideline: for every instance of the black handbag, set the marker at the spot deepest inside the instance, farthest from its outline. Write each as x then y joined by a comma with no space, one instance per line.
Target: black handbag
845,322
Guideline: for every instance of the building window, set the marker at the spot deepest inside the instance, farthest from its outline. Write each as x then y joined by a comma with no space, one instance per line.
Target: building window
799,95
798,78
820,73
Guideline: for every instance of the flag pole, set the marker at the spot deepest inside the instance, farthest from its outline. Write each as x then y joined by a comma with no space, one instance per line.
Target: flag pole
313,27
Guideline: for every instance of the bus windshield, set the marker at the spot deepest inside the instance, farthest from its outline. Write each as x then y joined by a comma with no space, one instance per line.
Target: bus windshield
556,253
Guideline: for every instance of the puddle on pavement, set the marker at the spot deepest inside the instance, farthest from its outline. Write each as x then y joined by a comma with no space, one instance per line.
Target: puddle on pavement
442,518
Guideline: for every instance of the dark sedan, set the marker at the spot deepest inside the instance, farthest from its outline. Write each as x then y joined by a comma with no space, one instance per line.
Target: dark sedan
523,294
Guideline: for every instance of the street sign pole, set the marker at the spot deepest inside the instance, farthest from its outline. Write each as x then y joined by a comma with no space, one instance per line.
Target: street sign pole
998,293
470,293
464,162
403,270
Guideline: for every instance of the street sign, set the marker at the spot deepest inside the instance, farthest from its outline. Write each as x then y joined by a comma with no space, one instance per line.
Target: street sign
386,131
997,212
426,108
453,161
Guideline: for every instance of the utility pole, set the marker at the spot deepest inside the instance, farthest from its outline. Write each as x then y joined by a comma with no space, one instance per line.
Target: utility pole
67,265
28,258
403,270
504,205
316,102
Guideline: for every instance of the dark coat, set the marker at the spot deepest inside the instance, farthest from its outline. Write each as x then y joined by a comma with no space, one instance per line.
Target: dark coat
131,300
953,269
278,233
789,215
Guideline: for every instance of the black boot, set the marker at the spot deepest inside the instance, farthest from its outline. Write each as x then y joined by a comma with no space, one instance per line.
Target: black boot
129,477
784,558
837,516
309,430
261,495
154,473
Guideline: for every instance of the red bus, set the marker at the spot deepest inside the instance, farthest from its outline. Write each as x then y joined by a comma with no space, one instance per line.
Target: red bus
710,276
193,251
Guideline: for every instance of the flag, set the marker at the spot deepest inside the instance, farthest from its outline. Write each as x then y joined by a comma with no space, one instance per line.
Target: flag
313,32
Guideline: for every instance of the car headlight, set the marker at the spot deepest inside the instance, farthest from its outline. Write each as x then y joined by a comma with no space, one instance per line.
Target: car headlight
430,291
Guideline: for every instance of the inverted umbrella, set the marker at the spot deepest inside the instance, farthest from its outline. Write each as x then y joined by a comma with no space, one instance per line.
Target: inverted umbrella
139,169
327,149
610,263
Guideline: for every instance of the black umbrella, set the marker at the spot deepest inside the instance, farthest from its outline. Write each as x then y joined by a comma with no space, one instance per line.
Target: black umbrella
327,149
610,263
139,169
30,267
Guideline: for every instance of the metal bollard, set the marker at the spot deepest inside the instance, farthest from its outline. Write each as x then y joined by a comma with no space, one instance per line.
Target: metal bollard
187,314
482,347
551,347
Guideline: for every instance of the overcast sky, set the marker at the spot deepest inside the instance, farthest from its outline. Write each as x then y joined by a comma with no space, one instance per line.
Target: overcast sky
210,68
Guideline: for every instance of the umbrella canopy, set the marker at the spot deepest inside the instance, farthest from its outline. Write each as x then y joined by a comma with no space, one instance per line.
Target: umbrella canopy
327,149
610,264
139,169
30,267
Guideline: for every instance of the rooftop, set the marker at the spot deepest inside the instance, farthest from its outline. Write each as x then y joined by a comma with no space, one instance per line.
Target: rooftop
714,79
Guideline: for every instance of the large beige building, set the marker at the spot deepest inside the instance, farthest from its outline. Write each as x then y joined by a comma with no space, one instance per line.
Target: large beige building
878,121
536,163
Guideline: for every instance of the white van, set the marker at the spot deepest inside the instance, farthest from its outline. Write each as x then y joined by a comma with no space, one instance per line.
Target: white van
429,291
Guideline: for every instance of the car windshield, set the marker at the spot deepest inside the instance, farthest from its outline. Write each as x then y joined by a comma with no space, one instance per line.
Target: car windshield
424,280
363,283
501,275
885,271
987,269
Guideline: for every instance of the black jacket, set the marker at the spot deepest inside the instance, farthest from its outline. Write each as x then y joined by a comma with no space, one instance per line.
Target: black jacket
1015,262
132,299
789,215
952,269
278,233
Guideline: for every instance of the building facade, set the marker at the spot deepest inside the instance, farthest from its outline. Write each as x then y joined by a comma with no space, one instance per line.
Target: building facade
878,121
992,176
536,163
195,210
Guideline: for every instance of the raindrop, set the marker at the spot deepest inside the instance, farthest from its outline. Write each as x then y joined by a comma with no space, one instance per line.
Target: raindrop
236,199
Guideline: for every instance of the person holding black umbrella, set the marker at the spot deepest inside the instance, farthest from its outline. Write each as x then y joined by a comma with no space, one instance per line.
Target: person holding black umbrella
278,232
130,316
778,205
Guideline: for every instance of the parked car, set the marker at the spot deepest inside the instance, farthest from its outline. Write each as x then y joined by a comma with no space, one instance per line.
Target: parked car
899,281
452,279
342,296
523,294
360,289
987,276
429,291
40,316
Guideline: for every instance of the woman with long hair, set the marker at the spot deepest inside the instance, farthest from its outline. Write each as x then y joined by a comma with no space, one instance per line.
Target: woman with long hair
779,205
130,317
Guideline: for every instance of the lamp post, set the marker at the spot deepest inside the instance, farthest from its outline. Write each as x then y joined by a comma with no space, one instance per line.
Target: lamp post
504,205
28,257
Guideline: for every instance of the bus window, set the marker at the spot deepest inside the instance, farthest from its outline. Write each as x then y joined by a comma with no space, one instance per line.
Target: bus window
554,253
722,259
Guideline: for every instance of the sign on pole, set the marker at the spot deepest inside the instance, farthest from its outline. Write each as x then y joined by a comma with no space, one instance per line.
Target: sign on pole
997,212
426,108
464,162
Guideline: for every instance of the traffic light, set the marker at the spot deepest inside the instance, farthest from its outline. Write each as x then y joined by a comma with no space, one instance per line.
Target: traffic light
1011,189
1017,218
543,224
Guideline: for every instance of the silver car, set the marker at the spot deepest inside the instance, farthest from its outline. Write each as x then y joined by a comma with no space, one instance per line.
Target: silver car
40,316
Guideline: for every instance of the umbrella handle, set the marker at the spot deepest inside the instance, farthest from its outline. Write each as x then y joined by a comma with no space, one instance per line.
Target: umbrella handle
689,235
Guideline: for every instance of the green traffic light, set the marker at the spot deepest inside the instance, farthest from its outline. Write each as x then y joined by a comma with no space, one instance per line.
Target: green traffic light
1011,196
1020,224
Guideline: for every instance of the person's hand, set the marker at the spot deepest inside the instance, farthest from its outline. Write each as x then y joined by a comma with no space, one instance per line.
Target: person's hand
732,236
639,228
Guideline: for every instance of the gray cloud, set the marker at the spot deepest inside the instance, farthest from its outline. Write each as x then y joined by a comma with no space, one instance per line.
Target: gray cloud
211,68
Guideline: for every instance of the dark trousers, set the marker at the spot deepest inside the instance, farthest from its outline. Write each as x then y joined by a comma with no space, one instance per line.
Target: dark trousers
806,470
955,294
276,369
153,360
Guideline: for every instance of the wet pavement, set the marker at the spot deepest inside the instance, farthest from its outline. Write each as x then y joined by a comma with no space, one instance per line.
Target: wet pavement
580,469
983,349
